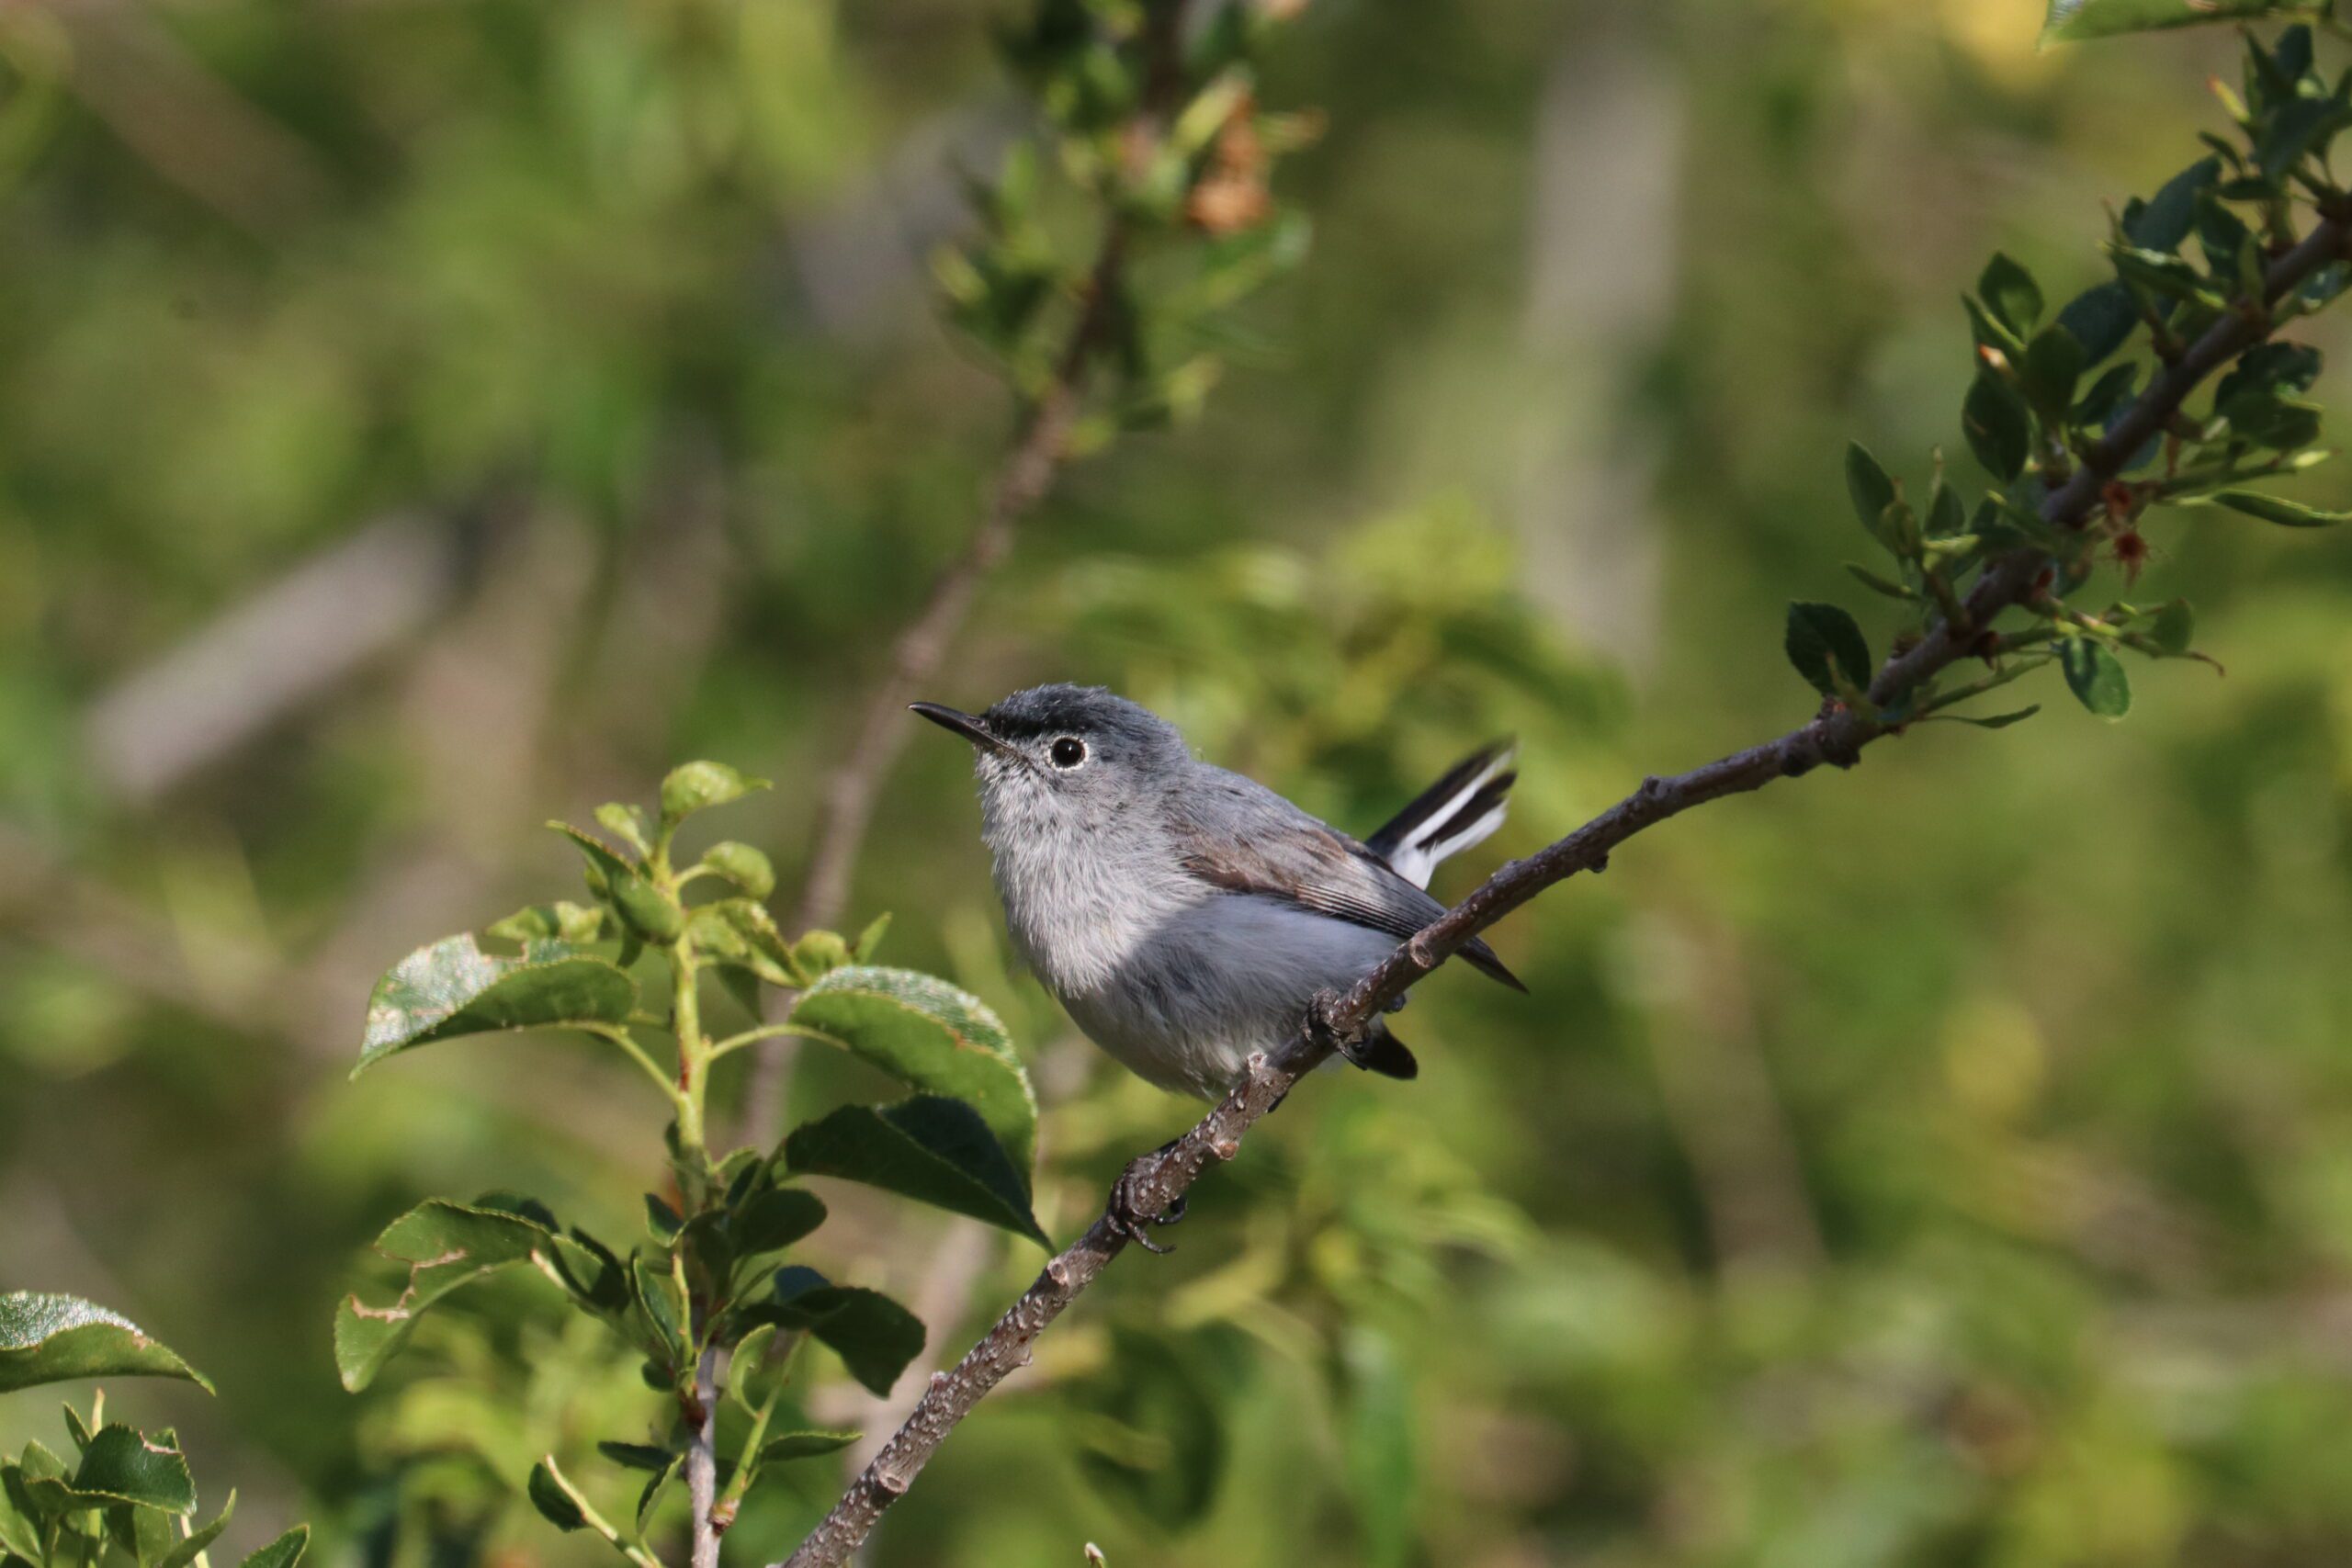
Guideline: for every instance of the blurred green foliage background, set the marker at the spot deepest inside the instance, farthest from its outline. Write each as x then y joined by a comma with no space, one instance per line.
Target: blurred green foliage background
419,418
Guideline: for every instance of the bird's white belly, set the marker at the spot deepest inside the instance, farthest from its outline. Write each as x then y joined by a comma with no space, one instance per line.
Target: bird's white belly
1191,998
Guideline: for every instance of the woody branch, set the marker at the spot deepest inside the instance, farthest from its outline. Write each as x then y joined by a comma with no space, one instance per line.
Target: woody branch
1835,735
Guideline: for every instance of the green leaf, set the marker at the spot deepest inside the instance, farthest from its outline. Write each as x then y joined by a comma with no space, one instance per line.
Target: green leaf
2102,320
2175,629
934,1150
741,934
2299,128
553,1500
453,987
1870,489
2053,362
45,1337
122,1465
284,1553
2164,275
655,1485
1823,641
563,920
773,1220
662,1309
626,823
695,786
2271,368
446,1245
2271,509
142,1534
1995,721
19,1532
2011,293
816,953
861,949
874,1335
185,1551
1994,420
2163,221
749,1379
1878,584
931,1036
2108,396
604,865
638,1456
2096,677
2075,20
741,864
805,1445
2282,425
644,909
1989,331
1947,513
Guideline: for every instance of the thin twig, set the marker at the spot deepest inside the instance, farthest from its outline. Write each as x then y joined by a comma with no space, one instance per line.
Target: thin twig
1837,735
702,1461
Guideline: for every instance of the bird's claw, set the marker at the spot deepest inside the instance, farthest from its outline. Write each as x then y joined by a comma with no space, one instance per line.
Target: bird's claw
1125,1214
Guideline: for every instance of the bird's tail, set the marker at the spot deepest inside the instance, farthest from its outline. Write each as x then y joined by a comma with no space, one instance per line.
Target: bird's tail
1459,811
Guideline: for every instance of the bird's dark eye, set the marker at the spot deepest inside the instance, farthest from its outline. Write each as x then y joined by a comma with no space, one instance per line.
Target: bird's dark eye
1068,752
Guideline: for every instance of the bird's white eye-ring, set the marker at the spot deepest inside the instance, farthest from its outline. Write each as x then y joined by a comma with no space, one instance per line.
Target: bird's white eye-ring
1067,752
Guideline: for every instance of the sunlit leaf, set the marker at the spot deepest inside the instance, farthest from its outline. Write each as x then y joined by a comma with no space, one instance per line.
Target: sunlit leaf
446,1245
695,786
185,1551
122,1466
45,1337
741,864
932,1036
453,987
284,1553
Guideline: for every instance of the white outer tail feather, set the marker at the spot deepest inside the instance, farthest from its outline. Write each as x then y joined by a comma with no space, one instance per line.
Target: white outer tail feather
1446,835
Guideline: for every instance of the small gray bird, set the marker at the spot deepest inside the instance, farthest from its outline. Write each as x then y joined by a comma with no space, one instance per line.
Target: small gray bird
1186,915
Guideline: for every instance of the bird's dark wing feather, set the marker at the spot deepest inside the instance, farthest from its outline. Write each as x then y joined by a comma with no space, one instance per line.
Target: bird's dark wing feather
1236,834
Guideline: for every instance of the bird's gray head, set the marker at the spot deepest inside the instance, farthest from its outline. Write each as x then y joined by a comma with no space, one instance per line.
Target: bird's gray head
1066,757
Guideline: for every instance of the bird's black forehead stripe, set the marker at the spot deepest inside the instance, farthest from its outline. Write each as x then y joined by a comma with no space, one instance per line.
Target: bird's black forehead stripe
1064,709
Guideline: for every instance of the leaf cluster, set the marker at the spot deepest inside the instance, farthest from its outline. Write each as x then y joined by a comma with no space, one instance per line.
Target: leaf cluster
125,1498
710,1279
2055,389
1155,130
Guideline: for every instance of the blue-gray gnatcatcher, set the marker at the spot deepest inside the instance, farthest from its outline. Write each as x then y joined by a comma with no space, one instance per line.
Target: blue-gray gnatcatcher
1186,915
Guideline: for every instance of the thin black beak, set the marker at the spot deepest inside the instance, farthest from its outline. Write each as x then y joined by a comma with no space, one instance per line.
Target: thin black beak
964,724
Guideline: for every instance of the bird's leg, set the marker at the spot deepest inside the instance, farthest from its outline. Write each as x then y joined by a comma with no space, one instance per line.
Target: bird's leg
1126,1196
